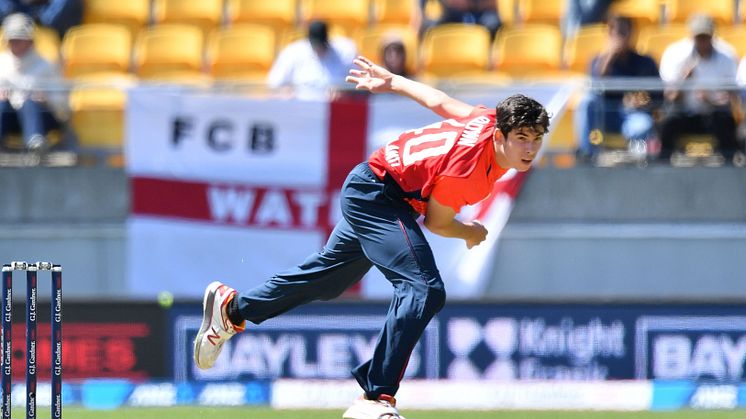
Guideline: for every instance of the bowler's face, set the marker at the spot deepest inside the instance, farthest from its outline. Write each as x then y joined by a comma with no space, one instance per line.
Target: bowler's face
522,146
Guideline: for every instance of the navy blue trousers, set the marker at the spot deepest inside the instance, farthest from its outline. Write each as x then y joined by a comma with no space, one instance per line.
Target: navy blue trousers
33,118
379,229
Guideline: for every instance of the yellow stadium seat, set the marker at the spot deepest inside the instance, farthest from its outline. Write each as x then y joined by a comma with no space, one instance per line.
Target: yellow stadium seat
132,13
47,43
351,15
506,11
541,11
97,104
395,12
96,47
370,43
528,50
736,36
242,52
432,10
722,11
455,49
654,40
642,12
206,14
169,49
280,14
588,42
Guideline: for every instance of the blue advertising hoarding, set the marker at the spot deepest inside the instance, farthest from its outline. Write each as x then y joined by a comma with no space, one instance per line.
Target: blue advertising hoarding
513,341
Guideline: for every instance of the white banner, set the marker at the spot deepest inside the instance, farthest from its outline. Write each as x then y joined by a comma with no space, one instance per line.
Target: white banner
472,395
179,135
226,188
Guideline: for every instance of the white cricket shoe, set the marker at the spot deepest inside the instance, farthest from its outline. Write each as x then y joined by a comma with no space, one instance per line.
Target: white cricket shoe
383,408
216,329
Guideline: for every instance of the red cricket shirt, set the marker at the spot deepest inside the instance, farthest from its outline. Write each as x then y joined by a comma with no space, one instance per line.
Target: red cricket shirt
455,153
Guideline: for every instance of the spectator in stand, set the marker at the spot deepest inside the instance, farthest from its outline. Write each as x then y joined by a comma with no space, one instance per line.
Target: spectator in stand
583,12
312,67
60,15
394,55
628,112
700,77
478,12
29,103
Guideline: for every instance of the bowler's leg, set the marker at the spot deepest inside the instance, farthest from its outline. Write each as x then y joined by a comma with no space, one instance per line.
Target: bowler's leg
393,241
322,276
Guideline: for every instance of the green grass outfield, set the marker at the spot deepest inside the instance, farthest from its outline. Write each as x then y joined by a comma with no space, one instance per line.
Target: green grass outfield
254,413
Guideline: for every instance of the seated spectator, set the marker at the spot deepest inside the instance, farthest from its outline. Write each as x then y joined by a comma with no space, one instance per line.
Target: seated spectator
693,69
394,55
27,105
616,111
478,12
59,15
313,66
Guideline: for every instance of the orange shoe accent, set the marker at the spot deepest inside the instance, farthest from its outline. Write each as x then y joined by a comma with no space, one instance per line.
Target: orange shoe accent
223,310
390,399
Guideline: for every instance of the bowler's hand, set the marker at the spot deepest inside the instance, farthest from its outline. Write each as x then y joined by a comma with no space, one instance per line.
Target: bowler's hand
478,234
370,76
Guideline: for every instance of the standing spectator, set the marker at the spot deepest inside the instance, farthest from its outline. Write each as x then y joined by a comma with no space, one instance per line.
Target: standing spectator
583,12
706,105
27,105
60,15
478,12
313,65
616,111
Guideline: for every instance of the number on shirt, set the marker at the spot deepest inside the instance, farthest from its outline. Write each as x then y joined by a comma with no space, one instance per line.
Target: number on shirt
428,145
422,146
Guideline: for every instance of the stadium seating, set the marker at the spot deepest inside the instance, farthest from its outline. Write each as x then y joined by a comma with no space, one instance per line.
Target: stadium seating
455,49
506,9
280,14
242,52
371,40
643,12
134,14
97,104
722,11
588,42
206,14
395,12
351,15
96,47
541,11
654,40
528,51
169,51
432,10
736,36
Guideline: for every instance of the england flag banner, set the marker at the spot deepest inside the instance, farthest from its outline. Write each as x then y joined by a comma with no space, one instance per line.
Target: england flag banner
237,188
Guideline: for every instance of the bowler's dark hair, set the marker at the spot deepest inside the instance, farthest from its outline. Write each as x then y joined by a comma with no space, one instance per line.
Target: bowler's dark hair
519,111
